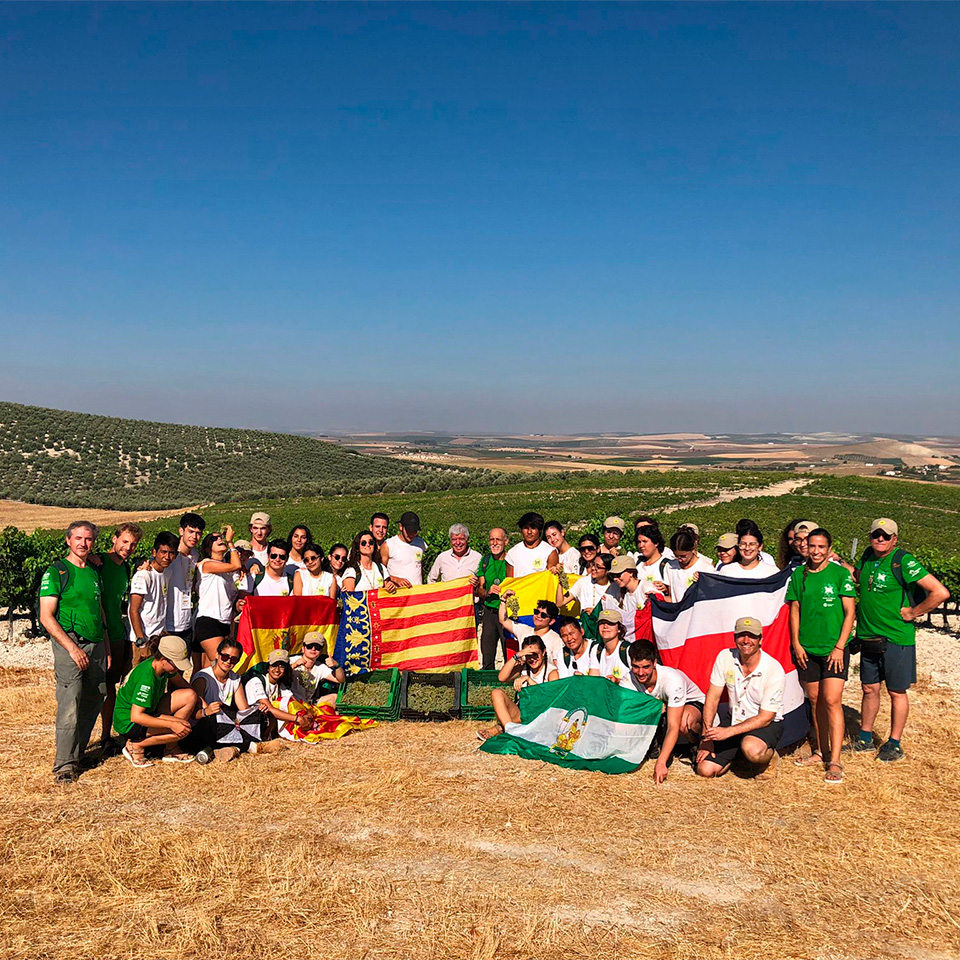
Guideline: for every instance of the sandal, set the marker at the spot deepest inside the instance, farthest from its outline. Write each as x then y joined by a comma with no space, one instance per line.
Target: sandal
137,760
813,760
834,773
178,758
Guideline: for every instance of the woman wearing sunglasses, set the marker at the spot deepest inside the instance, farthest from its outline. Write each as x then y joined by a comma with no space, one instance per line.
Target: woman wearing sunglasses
219,595
313,580
588,546
318,674
593,590
336,562
529,666
218,685
364,571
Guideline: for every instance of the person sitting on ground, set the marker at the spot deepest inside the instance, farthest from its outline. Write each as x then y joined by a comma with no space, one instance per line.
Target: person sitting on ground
612,660
220,564
531,555
683,571
260,530
155,705
569,557
218,686
889,607
625,575
545,614
750,565
402,555
363,570
457,562
755,683
274,694
822,598
529,666
299,537
651,563
612,533
597,590
577,658
491,572
274,581
726,550
589,547
313,580
147,609
682,698
318,675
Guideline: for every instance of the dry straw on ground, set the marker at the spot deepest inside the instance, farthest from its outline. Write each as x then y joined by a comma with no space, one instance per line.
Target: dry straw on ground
405,842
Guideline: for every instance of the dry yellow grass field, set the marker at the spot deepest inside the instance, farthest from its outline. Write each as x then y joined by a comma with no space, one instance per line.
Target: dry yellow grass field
405,842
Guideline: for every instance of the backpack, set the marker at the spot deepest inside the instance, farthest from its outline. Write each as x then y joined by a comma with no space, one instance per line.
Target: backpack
622,652
911,591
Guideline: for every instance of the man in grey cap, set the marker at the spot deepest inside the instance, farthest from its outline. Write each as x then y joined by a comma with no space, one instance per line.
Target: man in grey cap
755,684
260,530
402,554
895,591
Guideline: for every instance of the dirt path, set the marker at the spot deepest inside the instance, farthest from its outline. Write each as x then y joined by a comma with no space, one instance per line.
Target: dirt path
780,489
33,516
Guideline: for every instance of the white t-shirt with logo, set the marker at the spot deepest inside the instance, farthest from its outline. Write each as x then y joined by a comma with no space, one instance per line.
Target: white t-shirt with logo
525,560
588,594
759,572
153,586
372,579
586,662
570,560
673,687
406,559
316,586
649,574
551,639
679,580
631,602
268,587
180,575
761,690
216,691
611,666
218,591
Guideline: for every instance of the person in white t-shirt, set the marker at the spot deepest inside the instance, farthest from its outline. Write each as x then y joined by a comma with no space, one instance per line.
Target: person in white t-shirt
568,556
597,589
402,555
545,614
316,672
612,659
275,581
686,566
182,578
531,555
651,563
529,666
577,658
220,569
218,686
273,695
260,530
337,560
748,526
147,609
750,565
632,598
754,682
313,580
726,550
647,521
588,546
682,698
363,571
299,537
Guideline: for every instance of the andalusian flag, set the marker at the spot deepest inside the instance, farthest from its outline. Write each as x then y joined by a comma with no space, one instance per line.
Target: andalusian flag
432,629
588,723
268,623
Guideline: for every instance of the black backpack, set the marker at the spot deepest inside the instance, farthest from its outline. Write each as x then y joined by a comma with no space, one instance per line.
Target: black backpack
911,591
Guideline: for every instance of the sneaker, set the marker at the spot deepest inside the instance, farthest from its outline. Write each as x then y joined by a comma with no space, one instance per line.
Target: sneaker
862,746
890,752
66,775
205,755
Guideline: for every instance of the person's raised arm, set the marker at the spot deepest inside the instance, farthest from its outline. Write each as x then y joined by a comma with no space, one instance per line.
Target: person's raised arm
508,670
505,621
220,566
553,560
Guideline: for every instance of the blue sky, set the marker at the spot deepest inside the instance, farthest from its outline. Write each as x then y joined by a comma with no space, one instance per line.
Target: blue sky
495,217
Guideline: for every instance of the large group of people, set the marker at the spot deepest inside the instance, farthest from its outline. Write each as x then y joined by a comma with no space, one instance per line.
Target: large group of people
152,651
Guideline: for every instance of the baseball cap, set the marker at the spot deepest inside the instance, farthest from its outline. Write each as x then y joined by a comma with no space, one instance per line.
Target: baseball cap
263,518
614,523
727,540
805,525
885,524
175,650
278,656
314,637
243,544
622,564
610,616
690,526
749,625
410,521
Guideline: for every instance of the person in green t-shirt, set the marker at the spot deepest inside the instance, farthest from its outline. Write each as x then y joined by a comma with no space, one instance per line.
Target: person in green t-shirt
889,607
156,706
822,602
72,614
492,572
114,568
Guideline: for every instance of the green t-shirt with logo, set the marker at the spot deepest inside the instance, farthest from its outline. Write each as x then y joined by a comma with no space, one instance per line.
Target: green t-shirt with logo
820,596
79,593
142,687
490,571
114,584
882,597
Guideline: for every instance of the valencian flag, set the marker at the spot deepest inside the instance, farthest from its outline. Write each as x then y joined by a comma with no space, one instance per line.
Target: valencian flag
530,590
268,623
587,723
432,629
691,633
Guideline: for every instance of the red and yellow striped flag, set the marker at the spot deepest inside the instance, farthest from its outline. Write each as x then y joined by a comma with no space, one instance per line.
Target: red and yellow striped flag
268,623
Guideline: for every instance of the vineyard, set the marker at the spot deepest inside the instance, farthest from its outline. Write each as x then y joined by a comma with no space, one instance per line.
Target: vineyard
70,459
929,516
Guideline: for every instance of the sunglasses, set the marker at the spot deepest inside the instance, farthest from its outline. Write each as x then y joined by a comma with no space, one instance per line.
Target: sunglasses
588,548
725,549
312,646
540,613
881,535
227,659
367,543
278,556
309,558
339,557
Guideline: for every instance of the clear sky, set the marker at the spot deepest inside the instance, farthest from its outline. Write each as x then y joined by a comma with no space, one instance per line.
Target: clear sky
494,217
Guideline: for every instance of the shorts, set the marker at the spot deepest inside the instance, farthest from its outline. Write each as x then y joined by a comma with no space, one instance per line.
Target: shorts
817,670
727,750
136,734
206,629
884,662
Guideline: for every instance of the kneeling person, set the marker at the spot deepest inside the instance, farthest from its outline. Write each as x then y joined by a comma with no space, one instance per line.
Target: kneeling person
147,714
754,682
680,695
576,659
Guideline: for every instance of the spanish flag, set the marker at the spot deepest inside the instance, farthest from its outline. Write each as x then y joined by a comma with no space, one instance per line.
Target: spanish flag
269,623
431,628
